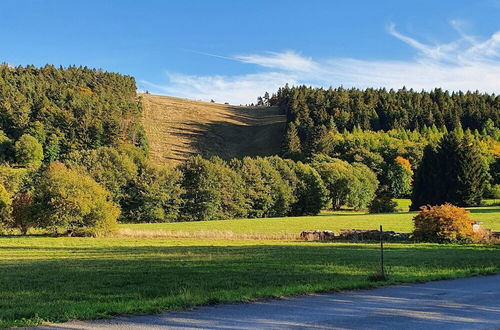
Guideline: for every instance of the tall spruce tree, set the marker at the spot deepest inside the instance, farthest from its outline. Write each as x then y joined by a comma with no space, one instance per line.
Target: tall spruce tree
472,178
453,172
292,146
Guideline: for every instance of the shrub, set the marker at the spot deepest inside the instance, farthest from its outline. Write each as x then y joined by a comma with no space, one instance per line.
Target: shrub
382,204
74,201
29,152
444,223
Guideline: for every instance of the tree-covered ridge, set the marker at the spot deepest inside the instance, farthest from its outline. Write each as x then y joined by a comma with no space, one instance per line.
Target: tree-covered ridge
315,111
67,109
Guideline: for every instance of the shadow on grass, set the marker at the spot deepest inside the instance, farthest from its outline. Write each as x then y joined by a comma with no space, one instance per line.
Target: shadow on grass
252,132
60,283
485,210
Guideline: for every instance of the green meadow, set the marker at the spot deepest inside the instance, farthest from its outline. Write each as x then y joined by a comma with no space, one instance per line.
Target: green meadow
292,226
47,279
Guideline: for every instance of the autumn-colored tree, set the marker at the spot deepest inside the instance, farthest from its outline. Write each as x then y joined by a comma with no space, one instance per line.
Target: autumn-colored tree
400,177
22,213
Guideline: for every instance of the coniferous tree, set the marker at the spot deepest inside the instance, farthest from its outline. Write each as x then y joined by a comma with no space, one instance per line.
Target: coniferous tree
292,146
472,178
454,172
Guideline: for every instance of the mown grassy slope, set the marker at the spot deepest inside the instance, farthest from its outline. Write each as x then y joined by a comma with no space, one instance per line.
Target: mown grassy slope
178,128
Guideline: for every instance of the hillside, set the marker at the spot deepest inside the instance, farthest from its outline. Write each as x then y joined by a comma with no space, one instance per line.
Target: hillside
178,128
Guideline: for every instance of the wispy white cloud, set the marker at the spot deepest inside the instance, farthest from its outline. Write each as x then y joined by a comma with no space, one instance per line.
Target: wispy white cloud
240,89
467,63
288,60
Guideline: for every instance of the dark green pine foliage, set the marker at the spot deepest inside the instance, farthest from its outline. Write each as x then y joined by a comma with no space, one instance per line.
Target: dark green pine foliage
424,187
453,172
379,109
292,144
68,109
472,178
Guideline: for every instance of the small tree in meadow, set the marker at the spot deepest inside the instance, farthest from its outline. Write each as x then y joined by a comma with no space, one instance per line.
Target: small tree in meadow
443,223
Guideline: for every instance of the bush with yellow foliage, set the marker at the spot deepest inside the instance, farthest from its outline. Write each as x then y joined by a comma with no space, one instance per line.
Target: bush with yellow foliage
443,223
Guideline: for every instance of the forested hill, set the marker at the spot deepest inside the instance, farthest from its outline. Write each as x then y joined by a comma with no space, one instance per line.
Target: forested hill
316,111
67,109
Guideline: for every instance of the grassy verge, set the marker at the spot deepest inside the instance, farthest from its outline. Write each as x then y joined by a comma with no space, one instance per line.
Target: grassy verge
56,279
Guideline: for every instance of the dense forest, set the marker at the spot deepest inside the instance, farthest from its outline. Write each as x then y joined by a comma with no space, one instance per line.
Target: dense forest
315,111
67,109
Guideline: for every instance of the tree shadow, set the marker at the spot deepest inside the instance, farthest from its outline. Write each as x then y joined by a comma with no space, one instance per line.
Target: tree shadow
485,210
246,132
81,279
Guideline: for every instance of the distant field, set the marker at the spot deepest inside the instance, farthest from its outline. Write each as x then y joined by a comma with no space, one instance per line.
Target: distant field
57,279
178,128
292,226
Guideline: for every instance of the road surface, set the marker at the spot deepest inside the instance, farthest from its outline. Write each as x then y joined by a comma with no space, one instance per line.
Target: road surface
470,303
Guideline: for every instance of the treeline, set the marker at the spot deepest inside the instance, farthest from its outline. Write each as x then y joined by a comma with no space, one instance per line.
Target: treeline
66,109
89,190
313,112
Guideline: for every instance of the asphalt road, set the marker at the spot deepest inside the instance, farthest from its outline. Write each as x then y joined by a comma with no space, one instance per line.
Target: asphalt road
471,303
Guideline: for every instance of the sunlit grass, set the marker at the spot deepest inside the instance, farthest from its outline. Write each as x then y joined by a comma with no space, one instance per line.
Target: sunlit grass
401,222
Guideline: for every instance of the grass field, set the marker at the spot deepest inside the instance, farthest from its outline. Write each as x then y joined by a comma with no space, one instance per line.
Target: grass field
178,128
56,279
44,279
292,226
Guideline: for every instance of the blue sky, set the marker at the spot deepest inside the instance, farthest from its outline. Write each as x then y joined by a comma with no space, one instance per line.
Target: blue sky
235,50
